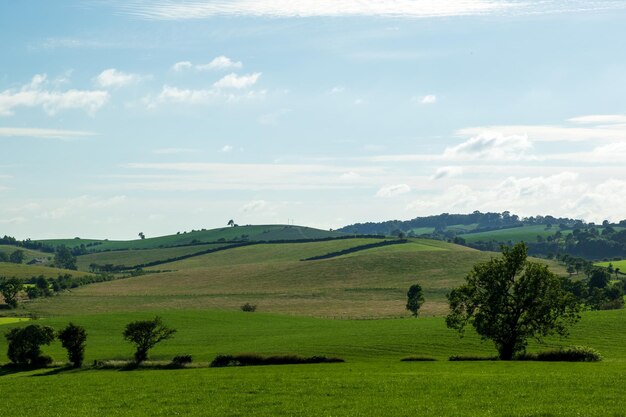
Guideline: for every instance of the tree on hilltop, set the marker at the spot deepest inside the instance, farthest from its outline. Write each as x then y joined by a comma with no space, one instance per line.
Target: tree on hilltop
510,299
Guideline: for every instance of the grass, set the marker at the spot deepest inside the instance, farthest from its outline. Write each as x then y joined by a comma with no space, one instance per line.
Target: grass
373,381
23,271
515,235
12,320
616,264
367,284
136,257
254,233
29,254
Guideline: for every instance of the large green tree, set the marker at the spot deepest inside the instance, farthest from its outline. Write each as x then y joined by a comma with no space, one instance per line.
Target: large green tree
415,299
63,258
25,344
145,334
509,300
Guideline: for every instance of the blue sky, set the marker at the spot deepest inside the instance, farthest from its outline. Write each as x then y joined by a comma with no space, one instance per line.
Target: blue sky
158,116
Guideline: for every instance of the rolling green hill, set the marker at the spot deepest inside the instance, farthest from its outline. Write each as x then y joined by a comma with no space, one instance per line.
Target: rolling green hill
369,283
252,233
29,254
28,271
515,235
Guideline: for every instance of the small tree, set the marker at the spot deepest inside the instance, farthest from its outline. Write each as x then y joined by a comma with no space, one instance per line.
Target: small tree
25,344
17,257
141,235
145,334
415,299
9,288
73,340
509,300
231,223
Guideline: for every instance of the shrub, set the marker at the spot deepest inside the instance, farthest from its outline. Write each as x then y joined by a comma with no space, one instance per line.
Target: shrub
25,344
459,358
418,359
569,354
250,308
253,359
73,340
182,360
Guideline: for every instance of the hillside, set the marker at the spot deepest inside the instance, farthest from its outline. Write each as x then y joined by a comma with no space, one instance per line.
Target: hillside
239,233
23,271
367,283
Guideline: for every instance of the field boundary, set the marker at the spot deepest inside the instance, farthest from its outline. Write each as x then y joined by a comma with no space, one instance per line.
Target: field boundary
356,249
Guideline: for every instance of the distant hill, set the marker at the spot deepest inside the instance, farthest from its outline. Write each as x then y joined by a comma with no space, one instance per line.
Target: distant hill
545,235
225,234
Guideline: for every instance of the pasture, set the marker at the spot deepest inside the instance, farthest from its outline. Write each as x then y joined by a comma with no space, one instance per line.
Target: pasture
373,381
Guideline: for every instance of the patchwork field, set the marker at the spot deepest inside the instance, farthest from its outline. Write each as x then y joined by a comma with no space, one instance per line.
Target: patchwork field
8,269
307,308
364,284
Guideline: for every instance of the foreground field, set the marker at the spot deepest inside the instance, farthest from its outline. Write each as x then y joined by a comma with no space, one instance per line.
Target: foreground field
372,382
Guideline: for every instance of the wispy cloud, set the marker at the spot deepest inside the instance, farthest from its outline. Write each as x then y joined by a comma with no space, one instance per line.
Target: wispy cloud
32,132
447,172
198,9
36,93
393,190
113,78
218,63
233,80
171,94
427,99
171,151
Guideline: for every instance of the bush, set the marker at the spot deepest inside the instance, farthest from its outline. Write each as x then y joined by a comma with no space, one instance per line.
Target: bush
460,358
25,344
250,308
253,359
182,360
570,354
418,359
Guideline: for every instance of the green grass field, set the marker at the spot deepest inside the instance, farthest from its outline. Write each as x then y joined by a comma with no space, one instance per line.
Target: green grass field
516,234
616,264
253,233
307,308
8,269
372,381
29,254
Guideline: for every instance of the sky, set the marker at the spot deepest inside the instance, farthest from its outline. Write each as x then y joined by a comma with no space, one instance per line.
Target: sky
120,117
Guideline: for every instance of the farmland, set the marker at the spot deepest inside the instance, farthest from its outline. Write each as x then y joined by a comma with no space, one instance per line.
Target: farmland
306,308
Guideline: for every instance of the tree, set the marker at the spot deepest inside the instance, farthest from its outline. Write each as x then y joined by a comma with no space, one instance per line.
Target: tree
231,223
4,257
145,335
599,278
63,258
17,257
73,340
141,235
9,288
25,344
509,300
415,299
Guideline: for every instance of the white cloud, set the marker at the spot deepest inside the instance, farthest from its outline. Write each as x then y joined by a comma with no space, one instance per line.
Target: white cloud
227,148
171,94
218,63
490,145
34,94
233,80
253,206
427,99
547,133
393,190
447,172
167,10
337,89
113,78
31,132
181,66
599,119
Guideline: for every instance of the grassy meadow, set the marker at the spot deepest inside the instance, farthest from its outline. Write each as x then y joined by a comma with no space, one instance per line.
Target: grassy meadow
349,306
